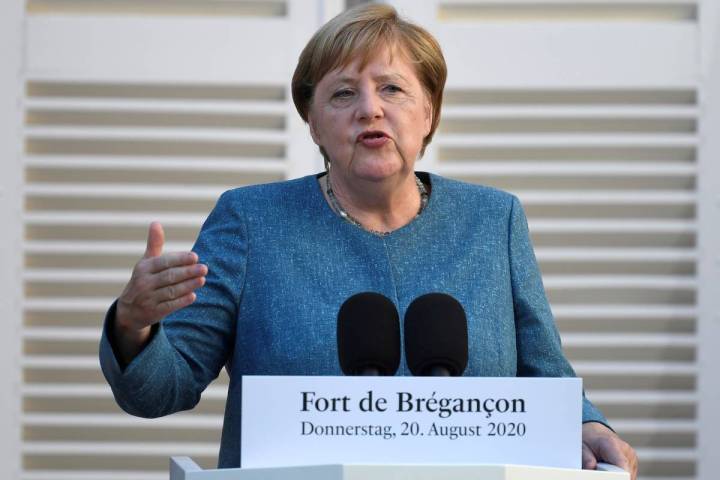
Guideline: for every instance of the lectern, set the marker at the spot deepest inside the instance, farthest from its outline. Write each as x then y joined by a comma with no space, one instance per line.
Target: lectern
184,468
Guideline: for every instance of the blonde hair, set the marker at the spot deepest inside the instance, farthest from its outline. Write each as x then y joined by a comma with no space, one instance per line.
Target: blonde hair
358,33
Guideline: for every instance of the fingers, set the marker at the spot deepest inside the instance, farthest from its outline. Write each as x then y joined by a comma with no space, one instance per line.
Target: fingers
633,463
620,454
144,304
604,445
179,290
173,276
155,240
147,290
159,285
166,308
166,261
169,261
589,462
613,450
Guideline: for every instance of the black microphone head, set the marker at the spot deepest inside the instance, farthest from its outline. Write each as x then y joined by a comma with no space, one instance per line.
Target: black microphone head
368,335
436,337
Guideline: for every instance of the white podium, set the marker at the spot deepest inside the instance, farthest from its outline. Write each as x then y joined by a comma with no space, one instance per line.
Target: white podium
184,468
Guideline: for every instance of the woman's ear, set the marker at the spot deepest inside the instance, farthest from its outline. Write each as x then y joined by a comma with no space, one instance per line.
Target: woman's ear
428,118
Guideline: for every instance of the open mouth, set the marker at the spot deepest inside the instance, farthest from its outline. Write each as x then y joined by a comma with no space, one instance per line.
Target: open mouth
372,136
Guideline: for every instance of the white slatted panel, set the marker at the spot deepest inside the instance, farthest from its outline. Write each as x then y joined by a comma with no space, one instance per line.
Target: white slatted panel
136,111
144,110
589,111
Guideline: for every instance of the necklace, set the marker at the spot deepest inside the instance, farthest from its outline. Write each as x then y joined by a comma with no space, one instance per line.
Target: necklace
345,215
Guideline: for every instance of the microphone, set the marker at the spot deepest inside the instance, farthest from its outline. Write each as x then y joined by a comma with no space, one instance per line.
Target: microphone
368,335
436,338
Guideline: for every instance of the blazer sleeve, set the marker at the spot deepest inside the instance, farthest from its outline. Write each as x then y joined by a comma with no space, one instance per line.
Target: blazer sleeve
539,351
189,347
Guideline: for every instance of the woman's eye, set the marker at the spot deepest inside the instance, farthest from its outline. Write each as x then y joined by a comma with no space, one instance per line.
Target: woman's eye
342,94
392,88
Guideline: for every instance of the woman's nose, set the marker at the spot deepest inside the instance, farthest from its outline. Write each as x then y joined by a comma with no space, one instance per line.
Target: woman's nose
369,107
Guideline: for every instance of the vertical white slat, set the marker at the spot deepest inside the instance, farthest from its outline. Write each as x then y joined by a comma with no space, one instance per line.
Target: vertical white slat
709,248
11,21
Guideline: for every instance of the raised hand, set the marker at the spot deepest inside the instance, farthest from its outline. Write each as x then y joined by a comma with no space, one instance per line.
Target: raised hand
160,284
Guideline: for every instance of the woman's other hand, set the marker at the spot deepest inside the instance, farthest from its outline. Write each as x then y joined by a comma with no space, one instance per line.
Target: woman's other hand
160,284
600,444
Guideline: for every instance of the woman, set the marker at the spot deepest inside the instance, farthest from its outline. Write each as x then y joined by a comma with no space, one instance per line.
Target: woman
278,260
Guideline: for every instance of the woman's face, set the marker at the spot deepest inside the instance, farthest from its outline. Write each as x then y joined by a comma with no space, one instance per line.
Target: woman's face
371,122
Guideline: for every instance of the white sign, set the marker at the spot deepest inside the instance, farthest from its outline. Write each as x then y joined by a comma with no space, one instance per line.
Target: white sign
289,421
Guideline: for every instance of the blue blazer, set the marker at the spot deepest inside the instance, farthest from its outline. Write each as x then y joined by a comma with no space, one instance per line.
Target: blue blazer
281,263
